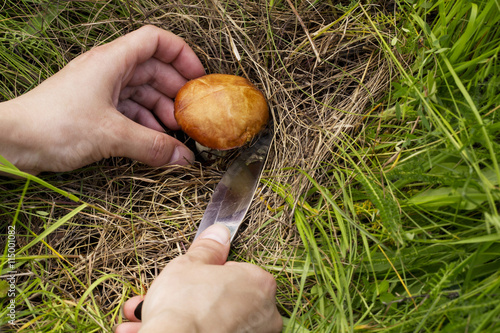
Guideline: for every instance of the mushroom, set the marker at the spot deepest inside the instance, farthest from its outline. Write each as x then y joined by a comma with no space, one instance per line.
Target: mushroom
221,111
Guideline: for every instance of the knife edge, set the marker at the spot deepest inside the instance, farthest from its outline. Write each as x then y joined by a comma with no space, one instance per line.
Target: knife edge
234,194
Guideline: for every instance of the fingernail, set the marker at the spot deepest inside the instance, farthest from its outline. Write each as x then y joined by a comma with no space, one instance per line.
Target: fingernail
181,156
138,311
217,232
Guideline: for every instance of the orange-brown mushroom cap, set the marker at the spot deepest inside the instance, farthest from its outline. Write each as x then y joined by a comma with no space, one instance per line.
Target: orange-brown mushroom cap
221,111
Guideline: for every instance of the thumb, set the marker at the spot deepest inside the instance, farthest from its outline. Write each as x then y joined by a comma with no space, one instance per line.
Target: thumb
212,246
150,147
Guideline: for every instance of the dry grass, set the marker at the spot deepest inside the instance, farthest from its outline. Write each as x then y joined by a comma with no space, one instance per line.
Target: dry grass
321,78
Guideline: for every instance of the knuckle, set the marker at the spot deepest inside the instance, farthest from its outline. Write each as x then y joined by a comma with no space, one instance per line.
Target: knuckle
181,260
266,281
157,149
277,322
148,28
207,253
183,264
138,93
110,137
270,283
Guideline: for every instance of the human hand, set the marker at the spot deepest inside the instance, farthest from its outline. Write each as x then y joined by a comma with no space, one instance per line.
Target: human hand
101,104
201,292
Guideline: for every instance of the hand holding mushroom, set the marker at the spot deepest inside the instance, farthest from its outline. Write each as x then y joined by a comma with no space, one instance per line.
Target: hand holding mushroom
101,105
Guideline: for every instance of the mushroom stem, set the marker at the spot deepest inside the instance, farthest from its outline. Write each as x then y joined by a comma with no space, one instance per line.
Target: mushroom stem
209,154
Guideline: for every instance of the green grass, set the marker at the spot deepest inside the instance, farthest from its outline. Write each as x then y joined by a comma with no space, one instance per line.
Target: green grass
396,231
406,236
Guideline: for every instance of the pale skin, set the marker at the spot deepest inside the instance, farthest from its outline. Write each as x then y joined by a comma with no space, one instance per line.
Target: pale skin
101,105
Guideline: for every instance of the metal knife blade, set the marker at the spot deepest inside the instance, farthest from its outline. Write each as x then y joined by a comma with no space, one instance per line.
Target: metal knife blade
234,193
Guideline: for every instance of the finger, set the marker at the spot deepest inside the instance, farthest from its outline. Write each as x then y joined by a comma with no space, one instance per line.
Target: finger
139,114
212,246
129,139
130,310
276,324
127,328
159,75
149,41
233,263
151,99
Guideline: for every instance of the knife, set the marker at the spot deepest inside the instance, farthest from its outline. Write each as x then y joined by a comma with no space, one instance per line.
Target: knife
234,193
